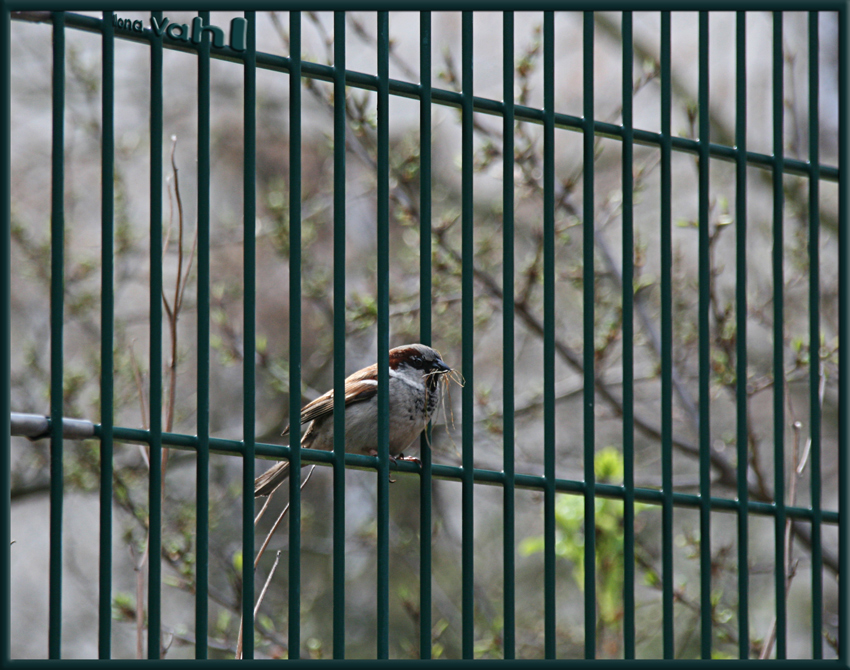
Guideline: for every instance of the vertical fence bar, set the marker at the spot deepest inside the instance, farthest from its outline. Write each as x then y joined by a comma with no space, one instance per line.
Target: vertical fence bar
508,337
741,331
589,350
107,317
666,339
778,332
704,344
843,628
383,335
628,346
57,232
426,482
295,335
57,307
203,390
155,458
339,339
5,334
249,329
814,336
549,331
467,328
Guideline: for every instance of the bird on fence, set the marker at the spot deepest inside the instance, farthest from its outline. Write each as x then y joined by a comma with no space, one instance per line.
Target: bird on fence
414,375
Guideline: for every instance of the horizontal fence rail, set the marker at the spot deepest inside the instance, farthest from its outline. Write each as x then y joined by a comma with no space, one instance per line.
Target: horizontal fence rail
439,96
79,429
666,499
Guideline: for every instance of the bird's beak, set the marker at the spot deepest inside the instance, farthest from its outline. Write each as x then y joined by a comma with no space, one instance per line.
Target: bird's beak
441,367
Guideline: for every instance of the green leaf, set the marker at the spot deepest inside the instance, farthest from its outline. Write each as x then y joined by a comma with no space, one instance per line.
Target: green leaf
531,545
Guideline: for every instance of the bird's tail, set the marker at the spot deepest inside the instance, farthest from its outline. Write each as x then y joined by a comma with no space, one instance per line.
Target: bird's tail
267,482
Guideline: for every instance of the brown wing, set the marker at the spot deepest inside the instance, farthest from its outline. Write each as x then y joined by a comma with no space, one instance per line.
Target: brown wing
359,387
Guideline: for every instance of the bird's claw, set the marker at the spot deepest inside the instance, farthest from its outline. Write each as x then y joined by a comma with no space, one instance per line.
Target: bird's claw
396,459
409,459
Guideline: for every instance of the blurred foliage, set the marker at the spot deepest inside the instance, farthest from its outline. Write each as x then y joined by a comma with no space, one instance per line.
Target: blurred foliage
131,373
569,538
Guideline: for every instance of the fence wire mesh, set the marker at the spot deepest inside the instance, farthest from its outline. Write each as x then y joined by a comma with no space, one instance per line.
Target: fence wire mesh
627,236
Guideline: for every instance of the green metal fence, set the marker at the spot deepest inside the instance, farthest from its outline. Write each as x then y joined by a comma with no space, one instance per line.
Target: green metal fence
667,497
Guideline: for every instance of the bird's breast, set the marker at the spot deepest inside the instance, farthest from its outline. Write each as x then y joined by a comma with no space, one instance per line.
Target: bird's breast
412,403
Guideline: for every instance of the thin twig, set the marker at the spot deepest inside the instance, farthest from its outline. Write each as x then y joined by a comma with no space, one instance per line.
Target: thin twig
257,606
140,599
821,391
172,311
167,240
279,520
173,314
266,585
260,553
790,567
137,377
179,201
188,267
262,510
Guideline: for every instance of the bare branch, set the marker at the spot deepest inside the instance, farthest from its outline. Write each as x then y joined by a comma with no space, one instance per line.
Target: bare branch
279,520
137,377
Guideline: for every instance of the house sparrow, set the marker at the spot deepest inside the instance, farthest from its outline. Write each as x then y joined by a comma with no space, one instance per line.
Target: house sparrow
414,394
